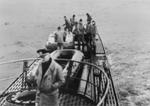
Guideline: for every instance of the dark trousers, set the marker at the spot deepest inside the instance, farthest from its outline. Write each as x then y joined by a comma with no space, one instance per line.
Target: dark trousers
88,38
68,28
80,40
90,44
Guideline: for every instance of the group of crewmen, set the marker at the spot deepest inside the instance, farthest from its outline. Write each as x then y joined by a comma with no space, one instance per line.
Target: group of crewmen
84,34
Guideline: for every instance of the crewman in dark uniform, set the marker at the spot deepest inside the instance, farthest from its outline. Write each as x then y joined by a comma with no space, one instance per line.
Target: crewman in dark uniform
89,18
67,24
88,37
93,35
80,34
59,37
75,31
72,21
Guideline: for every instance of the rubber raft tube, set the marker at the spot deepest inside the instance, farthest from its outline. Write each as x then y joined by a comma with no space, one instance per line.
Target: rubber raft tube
21,98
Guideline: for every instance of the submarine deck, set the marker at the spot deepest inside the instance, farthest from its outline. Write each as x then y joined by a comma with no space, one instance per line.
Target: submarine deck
94,88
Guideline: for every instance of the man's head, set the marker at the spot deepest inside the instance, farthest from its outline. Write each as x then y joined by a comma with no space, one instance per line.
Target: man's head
42,52
93,22
87,14
74,16
47,58
59,28
80,21
65,17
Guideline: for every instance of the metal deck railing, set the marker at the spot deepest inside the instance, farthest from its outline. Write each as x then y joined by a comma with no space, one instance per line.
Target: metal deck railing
93,86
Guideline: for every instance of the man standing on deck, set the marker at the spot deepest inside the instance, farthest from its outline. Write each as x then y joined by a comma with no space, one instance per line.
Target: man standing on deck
89,18
67,24
59,37
49,78
75,31
80,34
81,31
93,35
72,21
88,37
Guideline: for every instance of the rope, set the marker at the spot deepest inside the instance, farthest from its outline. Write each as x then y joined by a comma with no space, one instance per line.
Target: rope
19,60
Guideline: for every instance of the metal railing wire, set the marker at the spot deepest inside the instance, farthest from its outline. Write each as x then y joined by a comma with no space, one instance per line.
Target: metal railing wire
101,70
19,79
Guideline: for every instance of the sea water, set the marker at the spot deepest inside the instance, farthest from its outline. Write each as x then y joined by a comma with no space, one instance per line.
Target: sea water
122,24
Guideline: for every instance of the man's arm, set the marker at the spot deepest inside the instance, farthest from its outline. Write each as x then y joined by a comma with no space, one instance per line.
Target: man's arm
60,77
55,37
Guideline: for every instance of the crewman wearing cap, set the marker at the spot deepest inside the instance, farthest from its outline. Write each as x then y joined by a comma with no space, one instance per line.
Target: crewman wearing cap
49,77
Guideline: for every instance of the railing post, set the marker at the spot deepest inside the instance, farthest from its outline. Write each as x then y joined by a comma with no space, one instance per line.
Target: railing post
25,66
